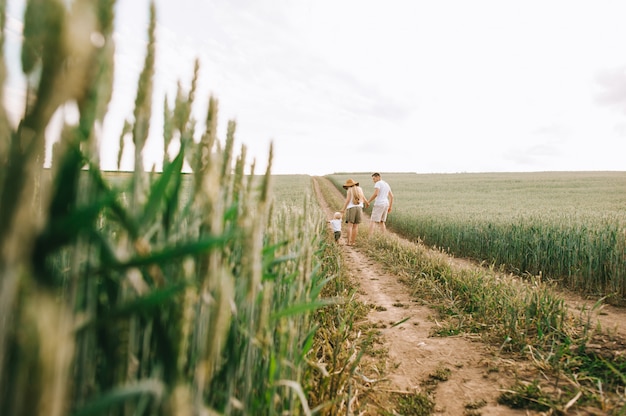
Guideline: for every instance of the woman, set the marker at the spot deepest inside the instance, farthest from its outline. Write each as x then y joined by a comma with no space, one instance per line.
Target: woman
353,209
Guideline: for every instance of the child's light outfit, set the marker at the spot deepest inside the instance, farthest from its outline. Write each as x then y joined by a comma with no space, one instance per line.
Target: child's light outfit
336,226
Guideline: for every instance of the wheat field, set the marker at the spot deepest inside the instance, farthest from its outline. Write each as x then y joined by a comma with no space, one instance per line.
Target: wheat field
568,227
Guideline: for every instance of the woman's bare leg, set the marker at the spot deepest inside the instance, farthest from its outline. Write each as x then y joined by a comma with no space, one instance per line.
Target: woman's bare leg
353,233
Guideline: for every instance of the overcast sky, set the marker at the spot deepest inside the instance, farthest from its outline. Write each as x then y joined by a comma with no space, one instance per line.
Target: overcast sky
398,86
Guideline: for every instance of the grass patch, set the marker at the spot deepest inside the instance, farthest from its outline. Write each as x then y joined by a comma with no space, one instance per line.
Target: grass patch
526,396
417,404
441,374
476,404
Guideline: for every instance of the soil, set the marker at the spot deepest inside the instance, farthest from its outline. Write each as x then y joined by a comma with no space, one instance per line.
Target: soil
476,373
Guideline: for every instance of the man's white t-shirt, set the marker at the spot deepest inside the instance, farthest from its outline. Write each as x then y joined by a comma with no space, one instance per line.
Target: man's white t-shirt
383,193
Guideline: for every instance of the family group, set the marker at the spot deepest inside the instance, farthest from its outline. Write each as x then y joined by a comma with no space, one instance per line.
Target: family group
352,212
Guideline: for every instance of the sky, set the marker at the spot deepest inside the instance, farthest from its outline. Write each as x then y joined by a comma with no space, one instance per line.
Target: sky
399,86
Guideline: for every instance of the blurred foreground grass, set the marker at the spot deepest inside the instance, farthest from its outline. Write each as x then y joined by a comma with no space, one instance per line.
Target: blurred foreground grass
145,293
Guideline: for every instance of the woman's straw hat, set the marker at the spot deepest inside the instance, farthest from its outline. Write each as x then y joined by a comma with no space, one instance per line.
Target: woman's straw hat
349,184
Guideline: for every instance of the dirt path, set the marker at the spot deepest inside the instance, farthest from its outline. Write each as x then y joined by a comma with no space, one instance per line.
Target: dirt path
474,373
418,362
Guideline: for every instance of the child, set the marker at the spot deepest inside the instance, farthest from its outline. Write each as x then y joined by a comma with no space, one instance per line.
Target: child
335,223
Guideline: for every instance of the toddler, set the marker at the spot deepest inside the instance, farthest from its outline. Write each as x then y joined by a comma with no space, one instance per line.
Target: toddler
335,223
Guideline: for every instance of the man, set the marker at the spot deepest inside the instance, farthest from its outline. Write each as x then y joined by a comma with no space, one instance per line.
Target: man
383,200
